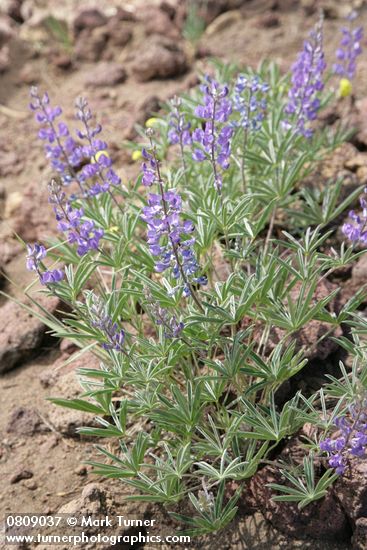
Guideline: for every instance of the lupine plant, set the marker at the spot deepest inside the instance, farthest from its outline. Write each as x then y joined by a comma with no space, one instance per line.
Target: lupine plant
179,281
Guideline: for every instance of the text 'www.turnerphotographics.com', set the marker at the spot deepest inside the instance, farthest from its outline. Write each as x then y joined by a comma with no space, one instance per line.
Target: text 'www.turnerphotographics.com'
84,529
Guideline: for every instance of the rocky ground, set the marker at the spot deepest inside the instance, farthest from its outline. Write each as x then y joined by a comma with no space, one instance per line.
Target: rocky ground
127,61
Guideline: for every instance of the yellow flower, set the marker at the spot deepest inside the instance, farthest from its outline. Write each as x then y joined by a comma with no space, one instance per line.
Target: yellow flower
136,155
114,229
98,155
151,122
345,87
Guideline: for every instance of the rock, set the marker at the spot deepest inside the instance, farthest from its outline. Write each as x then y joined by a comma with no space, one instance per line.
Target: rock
25,421
119,34
30,484
67,346
160,58
9,165
150,106
157,21
90,44
91,502
22,474
13,9
62,61
88,19
34,218
357,279
106,74
268,21
359,539
223,21
351,490
4,58
21,334
6,30
65,384
28,75
315,521
81,470
356,162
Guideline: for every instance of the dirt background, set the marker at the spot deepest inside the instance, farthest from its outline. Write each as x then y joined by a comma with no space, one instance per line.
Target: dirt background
127,57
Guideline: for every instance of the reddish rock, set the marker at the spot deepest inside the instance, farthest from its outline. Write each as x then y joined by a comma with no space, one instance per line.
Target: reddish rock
13,9
34,218
119,34
24,421
157,21
268,21
6,30
89,19
359,539
67,346
21,334
22,474
90,44
160,58
4,58
106,74
351,490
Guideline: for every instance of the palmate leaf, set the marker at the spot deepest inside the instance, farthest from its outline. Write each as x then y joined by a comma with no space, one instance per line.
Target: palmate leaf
304,489
267,423
212,515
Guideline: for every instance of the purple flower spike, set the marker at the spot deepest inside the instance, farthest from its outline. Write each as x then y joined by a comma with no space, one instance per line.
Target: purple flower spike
99,167
352,438
215,139
82,233
179,132
356,229
249,101
115,336
307,73
172,328
167,236
350,48
59,145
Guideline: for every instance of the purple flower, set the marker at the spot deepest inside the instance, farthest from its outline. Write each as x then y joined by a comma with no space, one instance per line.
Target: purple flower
172,328
249,102
356,229
114,335
35,255
167,237
54,276
59,145
99,168
349,49
352,440
307,71
82,233
215,139
179,132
